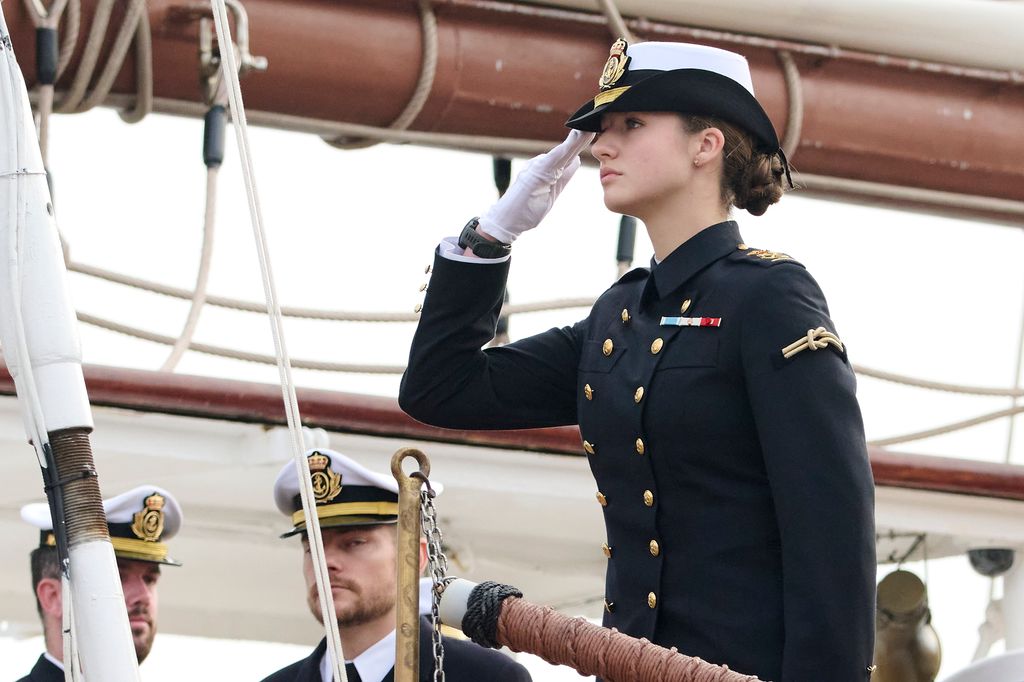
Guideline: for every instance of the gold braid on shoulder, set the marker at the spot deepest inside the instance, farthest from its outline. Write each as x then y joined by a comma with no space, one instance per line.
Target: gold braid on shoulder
815,339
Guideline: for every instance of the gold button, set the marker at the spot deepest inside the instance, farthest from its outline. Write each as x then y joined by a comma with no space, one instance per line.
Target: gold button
625,316
639,446
652,599
588,392
639,394
742,247
607,550
601,499
609,606
686,306
654,547
418,308
588,447
656,346
426,270
607,347
423,287
648,498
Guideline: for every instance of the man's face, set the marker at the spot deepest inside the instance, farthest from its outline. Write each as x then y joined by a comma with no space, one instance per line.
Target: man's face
138,581
361,567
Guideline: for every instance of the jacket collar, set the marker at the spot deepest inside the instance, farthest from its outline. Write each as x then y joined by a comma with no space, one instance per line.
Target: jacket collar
693,255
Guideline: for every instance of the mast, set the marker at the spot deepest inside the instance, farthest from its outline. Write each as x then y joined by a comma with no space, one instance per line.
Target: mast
38,331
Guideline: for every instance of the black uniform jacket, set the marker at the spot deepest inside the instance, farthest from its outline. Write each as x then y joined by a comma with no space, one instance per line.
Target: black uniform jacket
44,671
735,484
463,662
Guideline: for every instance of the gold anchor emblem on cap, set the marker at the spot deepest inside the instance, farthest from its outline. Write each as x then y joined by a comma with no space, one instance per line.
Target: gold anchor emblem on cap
326,483
615,66
148,524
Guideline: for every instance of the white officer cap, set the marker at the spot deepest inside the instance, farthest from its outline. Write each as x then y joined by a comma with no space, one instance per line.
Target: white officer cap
140,521
682,77
347,493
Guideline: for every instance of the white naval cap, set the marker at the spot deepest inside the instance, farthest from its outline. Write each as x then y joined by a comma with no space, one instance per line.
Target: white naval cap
346,492
140,521
682,77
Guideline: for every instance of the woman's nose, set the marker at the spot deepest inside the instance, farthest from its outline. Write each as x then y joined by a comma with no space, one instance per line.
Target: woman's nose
601,148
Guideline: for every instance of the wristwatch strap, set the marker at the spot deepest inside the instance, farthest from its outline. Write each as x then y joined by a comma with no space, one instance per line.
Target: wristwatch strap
481,246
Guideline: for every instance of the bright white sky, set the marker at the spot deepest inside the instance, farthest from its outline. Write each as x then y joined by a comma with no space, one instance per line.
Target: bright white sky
914,294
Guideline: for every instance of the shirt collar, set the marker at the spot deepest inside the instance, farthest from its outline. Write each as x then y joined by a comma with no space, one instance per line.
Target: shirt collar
695,254
373,664
53,660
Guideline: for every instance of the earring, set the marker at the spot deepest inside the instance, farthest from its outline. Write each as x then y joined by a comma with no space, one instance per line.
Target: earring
696,162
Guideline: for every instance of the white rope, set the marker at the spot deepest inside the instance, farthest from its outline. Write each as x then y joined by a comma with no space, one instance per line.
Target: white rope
948,428
795,103
424,84
306,313
202,276
229,71
219,351
198,298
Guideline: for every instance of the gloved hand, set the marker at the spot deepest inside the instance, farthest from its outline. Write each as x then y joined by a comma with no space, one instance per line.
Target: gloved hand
534,192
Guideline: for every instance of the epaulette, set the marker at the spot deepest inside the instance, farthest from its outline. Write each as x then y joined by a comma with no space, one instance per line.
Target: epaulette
745,254
634,274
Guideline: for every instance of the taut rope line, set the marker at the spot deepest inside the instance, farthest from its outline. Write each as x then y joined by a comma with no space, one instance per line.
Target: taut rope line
229,70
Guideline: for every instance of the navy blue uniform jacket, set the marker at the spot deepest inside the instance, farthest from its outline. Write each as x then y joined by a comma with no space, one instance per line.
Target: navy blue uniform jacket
463,662
44,671
735,484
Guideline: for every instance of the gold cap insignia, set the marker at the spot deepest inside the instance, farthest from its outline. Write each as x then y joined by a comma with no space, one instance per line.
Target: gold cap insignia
615,66
148,524
326,482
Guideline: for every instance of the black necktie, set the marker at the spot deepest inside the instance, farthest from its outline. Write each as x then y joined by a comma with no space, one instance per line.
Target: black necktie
352,673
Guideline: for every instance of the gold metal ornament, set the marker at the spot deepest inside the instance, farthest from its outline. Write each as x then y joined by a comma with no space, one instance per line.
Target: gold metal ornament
148,524
326,482
615,66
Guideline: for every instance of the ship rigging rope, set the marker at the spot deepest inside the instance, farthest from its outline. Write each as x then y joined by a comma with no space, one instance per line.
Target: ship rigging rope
424,84
354,316
229,73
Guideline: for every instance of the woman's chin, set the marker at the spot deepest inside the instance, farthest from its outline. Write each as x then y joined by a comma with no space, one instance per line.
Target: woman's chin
617,205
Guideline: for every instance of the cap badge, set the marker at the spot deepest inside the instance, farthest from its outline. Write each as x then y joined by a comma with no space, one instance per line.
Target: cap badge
148,524
326,483
615,66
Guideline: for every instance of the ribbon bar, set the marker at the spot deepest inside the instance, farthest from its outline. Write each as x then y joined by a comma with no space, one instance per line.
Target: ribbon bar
691,322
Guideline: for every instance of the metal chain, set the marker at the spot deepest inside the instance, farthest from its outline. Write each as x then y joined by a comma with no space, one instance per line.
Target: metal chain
438,565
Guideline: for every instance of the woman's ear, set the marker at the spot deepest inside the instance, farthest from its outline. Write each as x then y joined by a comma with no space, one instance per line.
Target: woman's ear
712,142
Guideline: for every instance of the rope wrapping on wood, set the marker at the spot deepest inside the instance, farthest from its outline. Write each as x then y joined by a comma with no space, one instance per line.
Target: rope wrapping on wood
593,650
497,616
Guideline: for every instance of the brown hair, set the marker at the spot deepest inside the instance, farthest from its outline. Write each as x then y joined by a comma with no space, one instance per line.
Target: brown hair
751,180
45,564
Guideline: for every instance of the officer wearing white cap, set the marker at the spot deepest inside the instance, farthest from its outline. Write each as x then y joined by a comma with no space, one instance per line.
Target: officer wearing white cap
358,509
716,403
140,522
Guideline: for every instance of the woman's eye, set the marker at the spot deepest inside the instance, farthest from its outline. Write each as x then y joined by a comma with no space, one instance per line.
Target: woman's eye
633,123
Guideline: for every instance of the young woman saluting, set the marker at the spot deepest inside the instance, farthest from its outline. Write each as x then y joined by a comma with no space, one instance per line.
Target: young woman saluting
715,402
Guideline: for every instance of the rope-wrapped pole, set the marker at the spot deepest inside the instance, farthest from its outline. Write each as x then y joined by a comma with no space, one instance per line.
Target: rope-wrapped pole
407,611
495,615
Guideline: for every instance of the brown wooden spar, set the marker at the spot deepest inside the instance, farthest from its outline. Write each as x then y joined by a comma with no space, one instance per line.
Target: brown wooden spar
517,70
243,401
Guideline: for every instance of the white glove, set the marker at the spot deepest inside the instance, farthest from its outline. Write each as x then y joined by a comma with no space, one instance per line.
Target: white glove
533,193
